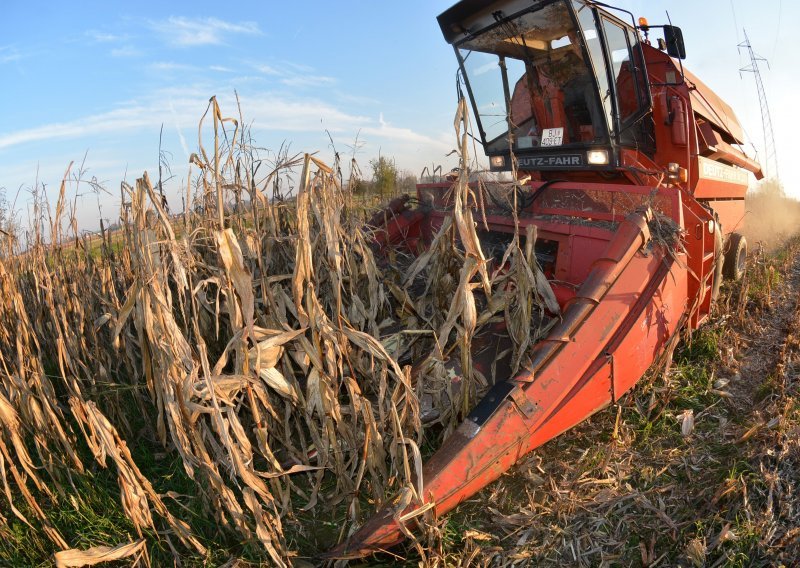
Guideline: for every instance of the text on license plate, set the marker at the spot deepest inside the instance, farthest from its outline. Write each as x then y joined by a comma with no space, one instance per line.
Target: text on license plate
552,136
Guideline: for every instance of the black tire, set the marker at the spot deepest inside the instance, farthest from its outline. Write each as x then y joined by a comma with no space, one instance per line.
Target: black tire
735,257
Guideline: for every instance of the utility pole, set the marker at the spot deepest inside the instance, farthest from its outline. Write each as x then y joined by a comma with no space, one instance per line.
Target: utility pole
770,155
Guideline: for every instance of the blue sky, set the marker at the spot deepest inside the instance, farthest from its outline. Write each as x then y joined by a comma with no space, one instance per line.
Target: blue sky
100,78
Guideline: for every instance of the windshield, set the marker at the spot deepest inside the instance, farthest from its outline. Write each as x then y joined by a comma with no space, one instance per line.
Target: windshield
537,63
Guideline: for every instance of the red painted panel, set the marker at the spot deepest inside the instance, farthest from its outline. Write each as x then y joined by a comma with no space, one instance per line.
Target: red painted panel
711,188
585,250
732,214
654,327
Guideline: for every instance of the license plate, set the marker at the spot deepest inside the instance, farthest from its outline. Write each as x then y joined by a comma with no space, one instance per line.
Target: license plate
552,136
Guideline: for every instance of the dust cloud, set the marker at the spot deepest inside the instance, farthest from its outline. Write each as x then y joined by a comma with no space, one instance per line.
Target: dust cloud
771,216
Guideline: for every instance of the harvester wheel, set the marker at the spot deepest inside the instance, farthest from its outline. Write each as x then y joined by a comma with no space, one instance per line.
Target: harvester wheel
735,257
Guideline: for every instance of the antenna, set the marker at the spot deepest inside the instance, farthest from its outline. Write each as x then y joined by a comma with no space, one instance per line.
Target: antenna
770,155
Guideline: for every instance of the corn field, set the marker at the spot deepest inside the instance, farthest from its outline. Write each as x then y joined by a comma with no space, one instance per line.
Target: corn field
266,347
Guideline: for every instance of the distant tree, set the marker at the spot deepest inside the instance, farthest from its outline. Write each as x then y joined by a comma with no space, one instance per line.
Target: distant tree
406,182
359,186
384,175
9,226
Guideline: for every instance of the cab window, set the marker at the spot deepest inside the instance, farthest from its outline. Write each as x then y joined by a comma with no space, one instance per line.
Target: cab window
622,70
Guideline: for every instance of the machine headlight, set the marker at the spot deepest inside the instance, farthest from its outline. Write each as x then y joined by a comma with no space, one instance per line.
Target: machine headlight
497,161
597,157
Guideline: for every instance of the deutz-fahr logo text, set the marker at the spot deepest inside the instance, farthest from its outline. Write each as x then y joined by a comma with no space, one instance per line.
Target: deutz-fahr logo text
550,161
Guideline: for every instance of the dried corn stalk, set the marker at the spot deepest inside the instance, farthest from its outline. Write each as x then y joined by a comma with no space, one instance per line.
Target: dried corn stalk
256,339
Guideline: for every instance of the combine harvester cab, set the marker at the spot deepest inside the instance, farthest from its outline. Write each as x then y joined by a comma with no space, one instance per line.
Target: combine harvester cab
629,170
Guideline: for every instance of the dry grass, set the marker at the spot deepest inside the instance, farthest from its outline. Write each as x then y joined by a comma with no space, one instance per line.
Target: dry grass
234,385
696,467
252,351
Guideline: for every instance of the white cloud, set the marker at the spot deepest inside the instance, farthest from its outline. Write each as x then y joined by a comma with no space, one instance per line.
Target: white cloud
131,133
105,37
294,74
179,130
126,51
300,67
120,43
188,32
354,99
9,53
272,117
183,107
170,66
307,81
403,135
117,120
267,69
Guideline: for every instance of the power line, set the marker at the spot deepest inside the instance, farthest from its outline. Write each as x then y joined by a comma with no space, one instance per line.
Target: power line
778,28
735,23
770,154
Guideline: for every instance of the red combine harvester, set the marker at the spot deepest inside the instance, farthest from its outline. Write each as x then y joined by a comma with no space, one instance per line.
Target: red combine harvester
611,137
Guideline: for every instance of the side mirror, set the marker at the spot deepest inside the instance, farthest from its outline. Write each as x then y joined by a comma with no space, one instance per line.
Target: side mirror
673,36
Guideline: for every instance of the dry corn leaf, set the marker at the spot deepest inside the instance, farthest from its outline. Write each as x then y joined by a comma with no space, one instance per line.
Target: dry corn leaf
74,558
687,422
231,254
267,352
277,381
477,535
